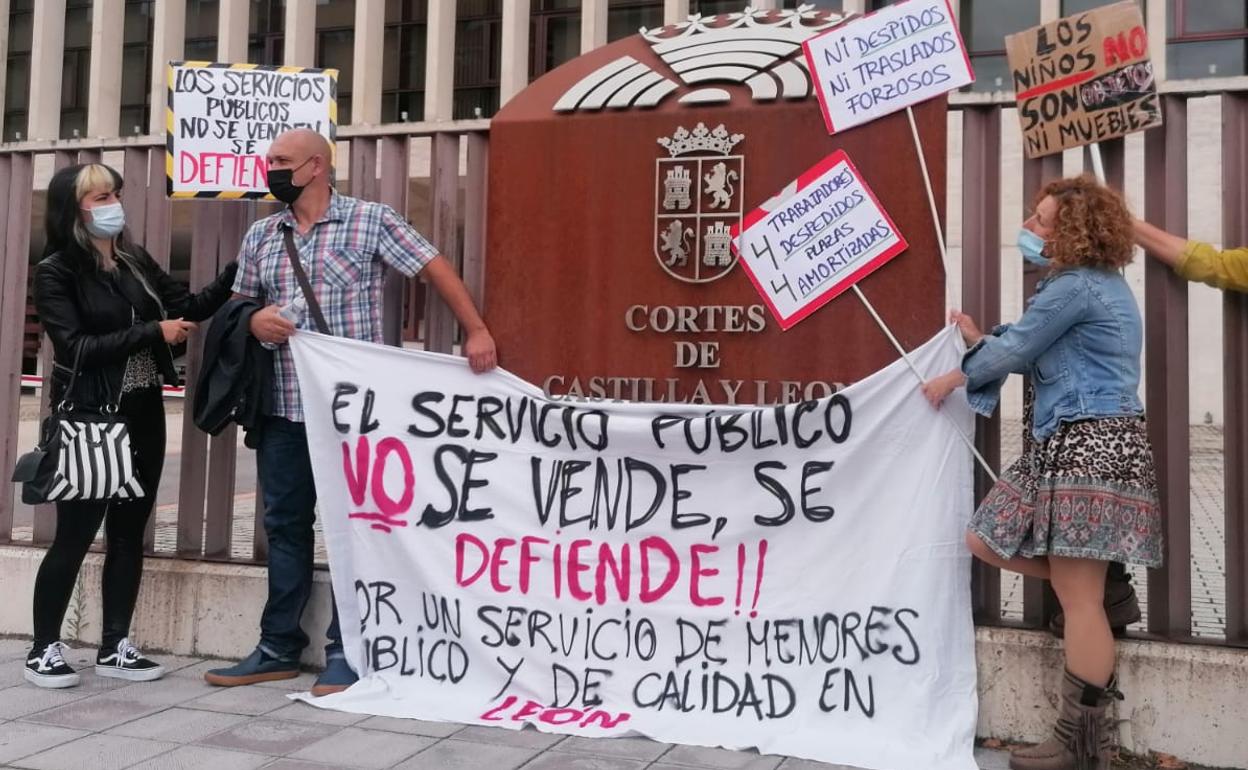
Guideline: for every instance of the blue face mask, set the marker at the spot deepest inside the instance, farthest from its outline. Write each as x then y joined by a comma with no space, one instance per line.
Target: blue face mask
107,221
1032,247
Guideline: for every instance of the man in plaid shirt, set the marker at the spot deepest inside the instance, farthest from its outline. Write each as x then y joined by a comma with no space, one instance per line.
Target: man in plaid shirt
345,246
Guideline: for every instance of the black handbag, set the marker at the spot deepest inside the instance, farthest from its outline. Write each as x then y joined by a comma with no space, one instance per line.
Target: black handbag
82,454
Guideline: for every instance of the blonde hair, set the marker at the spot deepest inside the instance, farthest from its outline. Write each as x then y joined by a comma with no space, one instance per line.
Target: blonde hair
96,177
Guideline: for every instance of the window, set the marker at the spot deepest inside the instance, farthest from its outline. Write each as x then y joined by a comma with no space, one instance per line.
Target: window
17,73
335,48
1071,7
201,30
555,35
77,72
267,25
478,58
715,7
136,67
625,17
403,74
1208,38
985,23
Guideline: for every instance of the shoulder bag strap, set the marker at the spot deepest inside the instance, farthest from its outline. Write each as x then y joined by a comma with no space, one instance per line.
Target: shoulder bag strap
313,305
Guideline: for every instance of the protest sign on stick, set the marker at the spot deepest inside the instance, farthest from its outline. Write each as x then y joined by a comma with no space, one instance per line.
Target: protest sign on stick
814,240
896,57
221,119
1083,79
887,61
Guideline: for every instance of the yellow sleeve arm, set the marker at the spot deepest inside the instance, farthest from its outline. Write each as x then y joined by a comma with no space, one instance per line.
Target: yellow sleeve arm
1226,269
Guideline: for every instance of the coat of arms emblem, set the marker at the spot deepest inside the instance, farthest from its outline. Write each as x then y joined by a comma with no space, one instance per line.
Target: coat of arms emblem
698,198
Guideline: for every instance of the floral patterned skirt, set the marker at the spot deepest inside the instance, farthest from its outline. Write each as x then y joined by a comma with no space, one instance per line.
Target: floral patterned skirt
1088,491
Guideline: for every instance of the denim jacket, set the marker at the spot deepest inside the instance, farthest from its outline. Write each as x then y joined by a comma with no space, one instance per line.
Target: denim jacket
1080,341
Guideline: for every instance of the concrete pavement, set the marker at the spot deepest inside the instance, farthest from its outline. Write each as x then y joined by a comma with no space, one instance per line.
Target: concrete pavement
181,723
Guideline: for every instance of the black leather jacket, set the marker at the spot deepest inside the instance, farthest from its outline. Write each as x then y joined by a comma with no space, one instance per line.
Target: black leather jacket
111,316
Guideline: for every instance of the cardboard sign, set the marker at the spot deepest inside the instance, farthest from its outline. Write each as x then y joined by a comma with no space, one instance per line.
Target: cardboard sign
818,237
221,119
898,56
792,578
1083,79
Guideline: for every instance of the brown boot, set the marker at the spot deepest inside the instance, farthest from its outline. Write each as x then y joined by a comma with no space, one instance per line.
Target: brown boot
1083,736
1122,606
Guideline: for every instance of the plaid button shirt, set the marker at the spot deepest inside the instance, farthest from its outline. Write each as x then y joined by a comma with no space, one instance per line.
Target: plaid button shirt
345,255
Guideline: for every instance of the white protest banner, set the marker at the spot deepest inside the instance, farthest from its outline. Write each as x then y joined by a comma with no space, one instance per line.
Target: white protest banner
886,61
792,578
1083,79
822,234
221,119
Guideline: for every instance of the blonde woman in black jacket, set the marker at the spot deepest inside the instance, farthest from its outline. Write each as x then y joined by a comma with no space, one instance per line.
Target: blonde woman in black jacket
104,302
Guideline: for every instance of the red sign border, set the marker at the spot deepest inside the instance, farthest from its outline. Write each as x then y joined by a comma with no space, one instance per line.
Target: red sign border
841,286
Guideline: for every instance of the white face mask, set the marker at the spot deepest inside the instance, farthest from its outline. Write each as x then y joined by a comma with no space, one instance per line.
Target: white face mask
106,221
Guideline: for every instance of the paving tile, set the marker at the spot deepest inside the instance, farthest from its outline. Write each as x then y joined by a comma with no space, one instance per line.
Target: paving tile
175,664
97,752
195,670
629,748
364,748
992,759
301,683
793,763
721,759
166,692
453,754
554,760
267,736
203,758
412,726
95,714
26,699
299,764
11,649
302,712
527,738
179,725
19,740
254,701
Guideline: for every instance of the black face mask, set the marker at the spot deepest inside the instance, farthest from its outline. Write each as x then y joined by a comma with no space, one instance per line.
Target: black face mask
282,183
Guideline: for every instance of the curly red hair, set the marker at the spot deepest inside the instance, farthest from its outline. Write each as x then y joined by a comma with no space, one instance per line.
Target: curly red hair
1093,227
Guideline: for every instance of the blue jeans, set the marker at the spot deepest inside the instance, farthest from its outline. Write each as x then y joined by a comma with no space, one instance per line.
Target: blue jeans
285,472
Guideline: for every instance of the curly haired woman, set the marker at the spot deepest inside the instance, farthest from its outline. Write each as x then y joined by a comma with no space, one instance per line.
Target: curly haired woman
1084,492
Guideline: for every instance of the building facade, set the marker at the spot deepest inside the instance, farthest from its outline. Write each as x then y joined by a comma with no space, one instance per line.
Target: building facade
437,60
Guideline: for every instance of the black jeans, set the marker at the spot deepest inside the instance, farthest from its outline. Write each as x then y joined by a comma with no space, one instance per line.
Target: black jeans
77,523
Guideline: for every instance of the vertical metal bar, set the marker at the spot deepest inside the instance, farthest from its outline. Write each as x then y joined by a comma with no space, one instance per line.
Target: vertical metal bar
1235,366
9,318
474,217
364,168
395,153
134,178
205,234
223,448
439,322
1039,601
44,526
1166,356
156,236
981,298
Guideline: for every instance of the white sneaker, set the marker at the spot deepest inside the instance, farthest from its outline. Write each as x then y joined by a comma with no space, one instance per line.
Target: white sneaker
47,667
126,662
